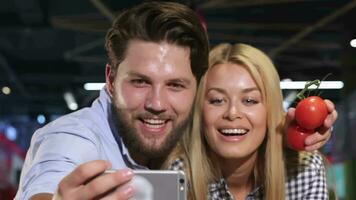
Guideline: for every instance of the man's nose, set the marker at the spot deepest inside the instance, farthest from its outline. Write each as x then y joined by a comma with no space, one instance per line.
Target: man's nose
156,101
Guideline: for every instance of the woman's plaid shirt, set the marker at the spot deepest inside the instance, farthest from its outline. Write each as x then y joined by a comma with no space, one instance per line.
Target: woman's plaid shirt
305,181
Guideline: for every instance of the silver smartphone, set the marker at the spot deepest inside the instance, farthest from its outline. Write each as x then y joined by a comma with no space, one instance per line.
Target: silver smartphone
159,185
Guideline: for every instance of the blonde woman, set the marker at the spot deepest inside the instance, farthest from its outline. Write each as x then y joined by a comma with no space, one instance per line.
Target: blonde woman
235,147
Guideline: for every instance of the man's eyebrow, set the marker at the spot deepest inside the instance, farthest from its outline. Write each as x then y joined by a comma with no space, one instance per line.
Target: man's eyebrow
181,80
138,75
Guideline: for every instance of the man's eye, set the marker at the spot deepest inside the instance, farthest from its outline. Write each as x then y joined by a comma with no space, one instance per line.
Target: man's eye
176,86
139,82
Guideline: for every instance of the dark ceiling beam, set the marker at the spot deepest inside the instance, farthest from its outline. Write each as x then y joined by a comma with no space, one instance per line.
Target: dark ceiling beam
96,59
77,23
220,4
274,41
212,4
80,23
104,10
300,35
12,77
25,108
308,63
76,54
54,79
29,11
264,26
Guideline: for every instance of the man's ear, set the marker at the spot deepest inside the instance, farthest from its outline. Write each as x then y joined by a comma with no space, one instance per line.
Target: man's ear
109,76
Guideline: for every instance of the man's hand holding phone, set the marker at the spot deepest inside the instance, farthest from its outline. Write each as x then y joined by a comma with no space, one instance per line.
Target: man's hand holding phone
85,183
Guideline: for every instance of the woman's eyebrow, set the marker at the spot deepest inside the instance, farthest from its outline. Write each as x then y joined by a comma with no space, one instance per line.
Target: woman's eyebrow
247,90
220,90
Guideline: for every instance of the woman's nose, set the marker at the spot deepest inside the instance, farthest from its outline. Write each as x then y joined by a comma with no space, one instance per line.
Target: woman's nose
232,112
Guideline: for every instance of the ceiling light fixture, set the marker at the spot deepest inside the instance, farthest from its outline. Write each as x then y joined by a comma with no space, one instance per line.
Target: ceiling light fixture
285,85
353,43
290,85
70,101
41,119
93,86
6,90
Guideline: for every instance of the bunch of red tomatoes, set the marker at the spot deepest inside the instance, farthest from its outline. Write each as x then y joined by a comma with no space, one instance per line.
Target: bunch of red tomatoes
310,114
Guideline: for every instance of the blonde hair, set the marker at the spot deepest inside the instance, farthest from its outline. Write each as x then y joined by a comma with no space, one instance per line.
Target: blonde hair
270,167
200,164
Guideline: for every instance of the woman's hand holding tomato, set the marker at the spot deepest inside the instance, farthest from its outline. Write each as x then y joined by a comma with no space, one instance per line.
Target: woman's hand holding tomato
318,137
296,136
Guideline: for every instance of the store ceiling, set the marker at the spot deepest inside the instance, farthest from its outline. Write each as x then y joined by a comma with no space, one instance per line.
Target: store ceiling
49,47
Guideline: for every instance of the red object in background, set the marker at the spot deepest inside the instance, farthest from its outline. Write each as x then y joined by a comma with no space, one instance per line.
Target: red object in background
202,18
8,150
12,146
296,136
7,192
330,158
311,112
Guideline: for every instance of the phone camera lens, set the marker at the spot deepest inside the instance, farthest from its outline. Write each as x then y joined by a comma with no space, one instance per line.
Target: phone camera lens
181,181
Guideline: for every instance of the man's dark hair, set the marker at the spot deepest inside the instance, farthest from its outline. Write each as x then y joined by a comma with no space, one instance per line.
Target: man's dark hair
158,22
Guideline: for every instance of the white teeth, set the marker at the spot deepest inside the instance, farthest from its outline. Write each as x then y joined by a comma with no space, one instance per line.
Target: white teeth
154,126
154,122
234,131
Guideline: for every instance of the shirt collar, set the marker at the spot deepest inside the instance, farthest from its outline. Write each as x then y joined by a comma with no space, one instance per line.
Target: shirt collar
219,189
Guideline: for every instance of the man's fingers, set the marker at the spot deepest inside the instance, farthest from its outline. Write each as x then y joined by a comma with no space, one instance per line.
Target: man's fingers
123,193
102,185
84,172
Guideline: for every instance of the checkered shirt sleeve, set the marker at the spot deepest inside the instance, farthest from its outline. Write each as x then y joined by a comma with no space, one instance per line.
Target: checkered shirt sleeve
308,179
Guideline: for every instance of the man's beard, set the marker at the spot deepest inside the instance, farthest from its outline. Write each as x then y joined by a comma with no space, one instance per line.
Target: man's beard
134,143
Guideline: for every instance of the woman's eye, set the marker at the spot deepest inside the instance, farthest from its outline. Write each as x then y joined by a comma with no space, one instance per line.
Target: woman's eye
216,101
251,101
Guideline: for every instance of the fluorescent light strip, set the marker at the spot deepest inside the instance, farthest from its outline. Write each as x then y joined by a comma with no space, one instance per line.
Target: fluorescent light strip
290,85
93,86
284,85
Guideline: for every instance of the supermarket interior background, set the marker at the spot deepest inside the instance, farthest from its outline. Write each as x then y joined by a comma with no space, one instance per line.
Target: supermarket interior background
50,50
